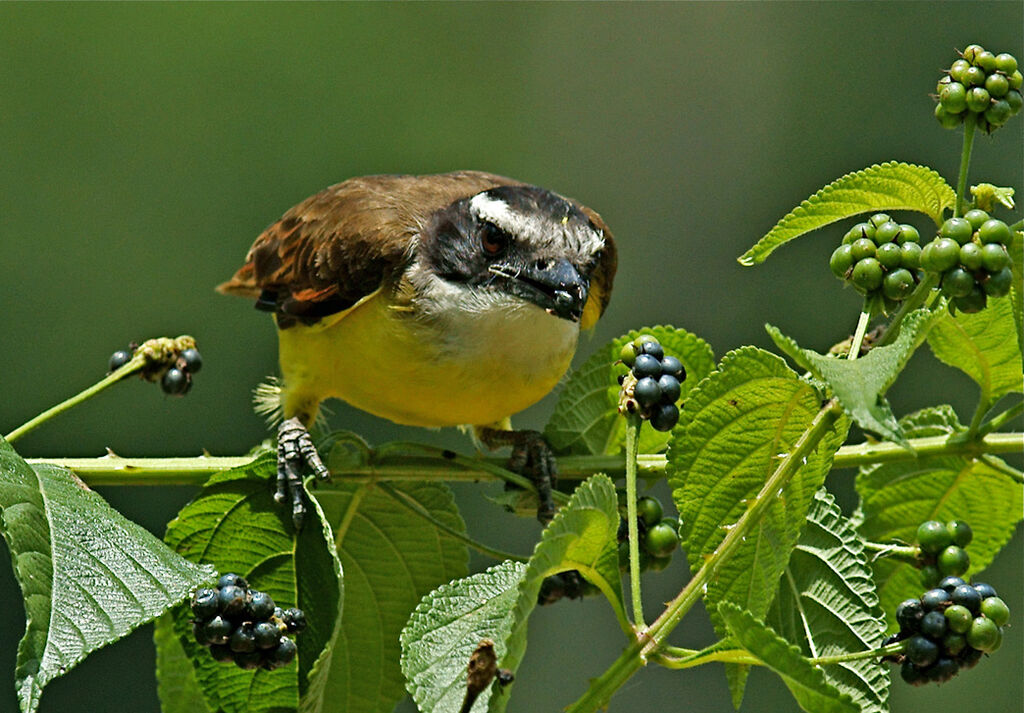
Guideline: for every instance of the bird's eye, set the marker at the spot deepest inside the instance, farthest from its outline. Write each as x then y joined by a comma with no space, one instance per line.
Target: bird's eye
493,239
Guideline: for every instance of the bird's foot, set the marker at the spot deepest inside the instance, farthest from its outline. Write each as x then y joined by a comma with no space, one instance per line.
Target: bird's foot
531,457
295,453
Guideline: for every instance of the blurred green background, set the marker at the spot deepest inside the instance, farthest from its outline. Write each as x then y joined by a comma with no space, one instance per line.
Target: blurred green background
144,146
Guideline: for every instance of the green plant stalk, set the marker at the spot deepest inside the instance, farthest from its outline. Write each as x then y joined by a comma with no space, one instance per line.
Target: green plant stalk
858,336
113,470
965,162
630,661
131,367
421,512
677,658
1002,467
907,553
633,424
1000,420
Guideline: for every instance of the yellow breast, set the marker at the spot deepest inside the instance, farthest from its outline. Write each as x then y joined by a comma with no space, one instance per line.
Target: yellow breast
468,368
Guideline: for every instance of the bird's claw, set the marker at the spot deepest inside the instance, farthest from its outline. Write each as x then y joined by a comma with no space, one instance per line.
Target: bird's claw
532,457
295,453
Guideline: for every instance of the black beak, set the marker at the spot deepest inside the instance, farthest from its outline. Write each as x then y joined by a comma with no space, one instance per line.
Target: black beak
557,286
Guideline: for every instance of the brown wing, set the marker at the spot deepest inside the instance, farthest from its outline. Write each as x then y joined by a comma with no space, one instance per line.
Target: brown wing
343,243
603,277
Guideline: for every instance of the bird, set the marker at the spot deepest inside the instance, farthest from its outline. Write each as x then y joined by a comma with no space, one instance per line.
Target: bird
452,299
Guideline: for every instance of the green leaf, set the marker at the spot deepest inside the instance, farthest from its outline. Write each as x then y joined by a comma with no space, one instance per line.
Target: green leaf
1017,286
88,575
860,384
897,497
586,419
887,186
391,560
177,686
827,604
812,691
737,423
983,345
235,525
447,626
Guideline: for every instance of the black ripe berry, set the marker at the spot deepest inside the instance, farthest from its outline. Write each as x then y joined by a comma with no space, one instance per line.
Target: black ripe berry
909,614
985,590
205,603
665,417
232,579
646,365
673,367
670,388
243,638
218,629
966,596
266,634
119,359
191,360
295,620
283,654
232,600
647,392
950,583
175,382
261,606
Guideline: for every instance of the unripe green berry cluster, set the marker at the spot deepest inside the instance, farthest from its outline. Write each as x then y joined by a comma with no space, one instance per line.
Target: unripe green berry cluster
880,257
970,254
948,629
942,550
982,84
659,535
244,626
653,386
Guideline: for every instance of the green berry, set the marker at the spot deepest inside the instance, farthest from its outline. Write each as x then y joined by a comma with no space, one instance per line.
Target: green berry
998,113
898,284
945,254
1006,63
649,510
886,232
867,274
930,575
996,610
878,219
996,84
994,257
860,230
995,231
974,77
888,254
1014,99
953,560
997,284
957,283
933,537
661,540
958,69
841,261
945,119
953,97
976,217
1016,79
908,234
972,51
986,60
959,229
910,256
970,256
863,248
958,618
974,302
953,643
961,532
628,354
983,634
978,99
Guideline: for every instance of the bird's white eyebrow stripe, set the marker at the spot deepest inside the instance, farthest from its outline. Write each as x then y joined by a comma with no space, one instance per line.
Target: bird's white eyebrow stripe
498,212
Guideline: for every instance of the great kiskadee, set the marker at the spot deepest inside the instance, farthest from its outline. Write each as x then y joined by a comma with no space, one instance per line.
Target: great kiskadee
443,300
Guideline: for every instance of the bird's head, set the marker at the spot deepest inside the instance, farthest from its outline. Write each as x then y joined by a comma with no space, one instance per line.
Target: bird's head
524,243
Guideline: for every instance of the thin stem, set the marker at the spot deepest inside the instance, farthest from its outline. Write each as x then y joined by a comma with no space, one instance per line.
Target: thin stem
878,653
1003,467
677,658
916,299
1000,420
907,553
633,423
965,162
134,365
437,464
414,507
1018,226
984,404
858,336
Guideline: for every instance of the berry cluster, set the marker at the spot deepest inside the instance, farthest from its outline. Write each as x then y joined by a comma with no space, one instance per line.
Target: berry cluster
971,255
653,385
981,84
942,550
659,536
949,628
176,380
244,625
880,257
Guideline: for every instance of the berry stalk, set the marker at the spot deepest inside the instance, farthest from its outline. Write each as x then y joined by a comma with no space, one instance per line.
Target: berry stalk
858,336
633,423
